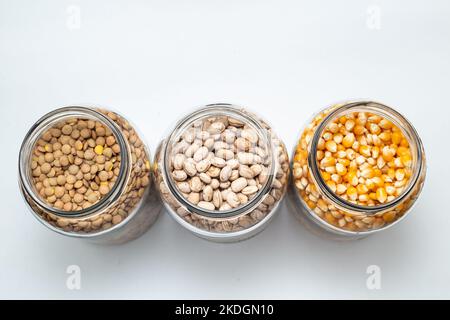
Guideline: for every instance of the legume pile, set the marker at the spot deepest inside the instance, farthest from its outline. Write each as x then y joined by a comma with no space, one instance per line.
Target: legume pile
363,158
221,163
75,164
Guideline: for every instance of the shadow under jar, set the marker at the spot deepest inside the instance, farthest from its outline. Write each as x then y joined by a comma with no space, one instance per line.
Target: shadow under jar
85,172
222,173
357,169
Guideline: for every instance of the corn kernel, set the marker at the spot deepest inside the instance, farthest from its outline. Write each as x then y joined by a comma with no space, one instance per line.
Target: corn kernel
332,185
374,128
378,181
336,178
406,160
398,163
352,178
365,151
385,136
404,143
400,174
330,219
385,124
390,190
367,173
348,140
349,124
344,162
341,169
331,146
359,130
387,154
340,188
375,152
352,193
403,151
328,162
370,184
381,195
389,216
363,198
333,127
362,189
325,175
397,137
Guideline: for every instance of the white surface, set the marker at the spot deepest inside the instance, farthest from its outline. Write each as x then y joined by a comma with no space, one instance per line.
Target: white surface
154,62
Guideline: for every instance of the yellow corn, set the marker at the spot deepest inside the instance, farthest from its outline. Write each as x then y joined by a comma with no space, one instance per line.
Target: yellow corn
381,195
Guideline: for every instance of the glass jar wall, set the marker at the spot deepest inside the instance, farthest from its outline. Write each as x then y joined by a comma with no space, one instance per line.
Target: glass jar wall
222,173
357,169
86,173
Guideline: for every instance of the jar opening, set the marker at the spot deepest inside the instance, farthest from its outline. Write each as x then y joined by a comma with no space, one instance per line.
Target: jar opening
235,116
51,120
384,112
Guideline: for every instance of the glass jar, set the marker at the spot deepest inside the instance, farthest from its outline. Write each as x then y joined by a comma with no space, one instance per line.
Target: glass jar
336,199
222,173
104,153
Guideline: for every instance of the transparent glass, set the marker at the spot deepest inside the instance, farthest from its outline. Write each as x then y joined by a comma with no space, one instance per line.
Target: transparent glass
222,222
125,212
324,212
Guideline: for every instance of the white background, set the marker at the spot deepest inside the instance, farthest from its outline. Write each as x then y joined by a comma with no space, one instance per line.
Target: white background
155,61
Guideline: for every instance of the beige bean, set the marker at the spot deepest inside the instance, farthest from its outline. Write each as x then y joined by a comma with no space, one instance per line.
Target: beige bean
225,173
179,175
196,184
178,161
191,150
238,184
214,183
217,199
200,154
184,187
194,197
203,165
190,168
207,193
205,178
246,172
246,158
232,199
218,162
206,205
249,190
225,154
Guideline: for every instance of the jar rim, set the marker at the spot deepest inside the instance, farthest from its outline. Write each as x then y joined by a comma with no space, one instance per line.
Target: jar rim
211,110
393,116
35,132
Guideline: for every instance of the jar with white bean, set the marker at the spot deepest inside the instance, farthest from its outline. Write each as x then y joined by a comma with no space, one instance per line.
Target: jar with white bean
357,169
222,173
86,173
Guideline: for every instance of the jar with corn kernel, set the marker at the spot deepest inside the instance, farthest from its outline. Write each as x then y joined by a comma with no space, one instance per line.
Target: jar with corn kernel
85,172
357,169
